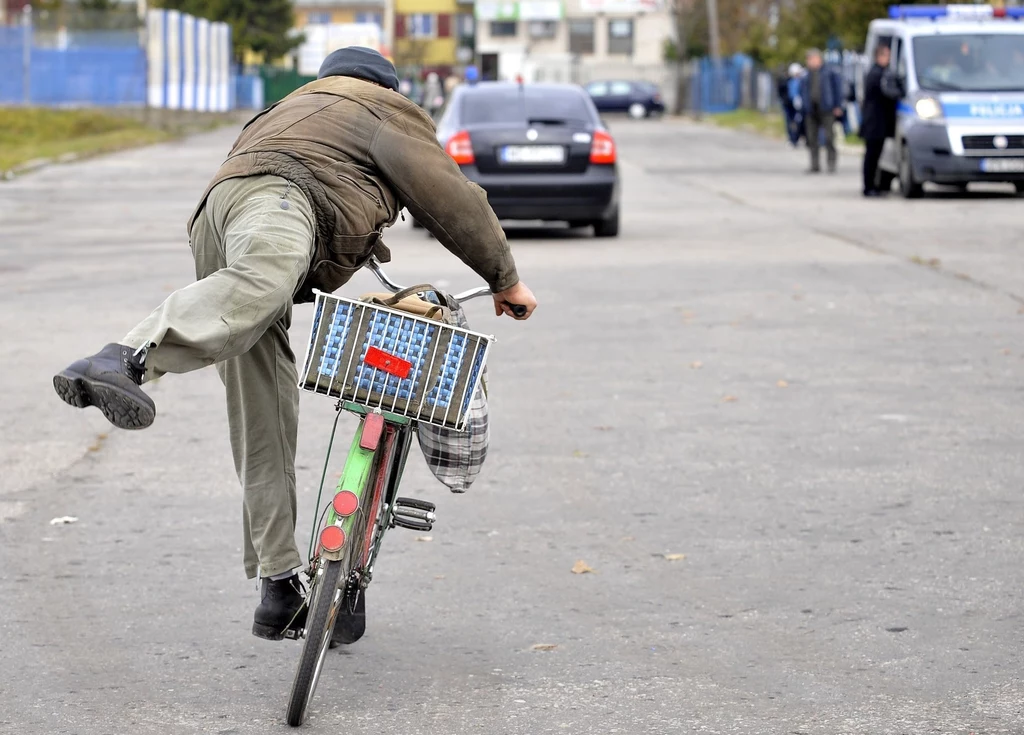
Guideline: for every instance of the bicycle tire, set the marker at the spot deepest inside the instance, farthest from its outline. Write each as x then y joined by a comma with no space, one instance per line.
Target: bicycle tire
323,611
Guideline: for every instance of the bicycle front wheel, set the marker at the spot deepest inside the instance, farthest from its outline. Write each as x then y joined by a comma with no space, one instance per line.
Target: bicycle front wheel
323,611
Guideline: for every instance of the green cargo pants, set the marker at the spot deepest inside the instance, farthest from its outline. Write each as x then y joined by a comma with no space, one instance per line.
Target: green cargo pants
252,246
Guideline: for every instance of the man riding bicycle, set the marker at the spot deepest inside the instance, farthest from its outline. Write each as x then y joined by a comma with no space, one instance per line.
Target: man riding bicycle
299,204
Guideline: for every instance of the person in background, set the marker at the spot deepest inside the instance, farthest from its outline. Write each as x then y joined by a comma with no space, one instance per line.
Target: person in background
795,128
450,83
878,119
821,90
433,95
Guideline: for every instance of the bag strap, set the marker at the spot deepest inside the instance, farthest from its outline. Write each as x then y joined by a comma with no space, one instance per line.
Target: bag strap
406,292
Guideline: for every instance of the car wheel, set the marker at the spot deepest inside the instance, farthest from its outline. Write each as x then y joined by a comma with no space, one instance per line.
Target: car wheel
885,180
637,111
607,227
576,223
910,187
1019,186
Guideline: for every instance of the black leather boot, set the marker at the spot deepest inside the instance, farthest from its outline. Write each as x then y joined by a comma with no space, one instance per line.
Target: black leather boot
282,607
351,622
109,380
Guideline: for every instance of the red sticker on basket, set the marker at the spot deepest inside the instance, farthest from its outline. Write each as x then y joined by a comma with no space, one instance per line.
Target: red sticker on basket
388,363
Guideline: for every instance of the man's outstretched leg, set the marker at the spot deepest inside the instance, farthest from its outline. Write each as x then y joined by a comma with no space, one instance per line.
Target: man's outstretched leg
252,245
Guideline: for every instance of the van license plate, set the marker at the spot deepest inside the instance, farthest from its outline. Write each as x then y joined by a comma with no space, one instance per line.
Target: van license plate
1002,165
533,154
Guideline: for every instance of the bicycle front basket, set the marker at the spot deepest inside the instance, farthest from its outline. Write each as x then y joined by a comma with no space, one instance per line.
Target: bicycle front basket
393,361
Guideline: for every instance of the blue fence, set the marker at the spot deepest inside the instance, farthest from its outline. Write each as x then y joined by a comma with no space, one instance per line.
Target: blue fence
88,69
720,84
249,94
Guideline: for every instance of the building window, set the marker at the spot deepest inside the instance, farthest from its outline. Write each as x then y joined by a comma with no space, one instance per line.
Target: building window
318,18
503,28
543,28
581,36
620,36
465,28
420,25
376,18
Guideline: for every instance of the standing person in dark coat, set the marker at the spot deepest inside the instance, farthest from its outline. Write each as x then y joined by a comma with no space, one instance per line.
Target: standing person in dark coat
878,120
822,92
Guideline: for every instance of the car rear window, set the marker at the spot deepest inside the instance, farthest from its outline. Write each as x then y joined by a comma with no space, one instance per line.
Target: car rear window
522,104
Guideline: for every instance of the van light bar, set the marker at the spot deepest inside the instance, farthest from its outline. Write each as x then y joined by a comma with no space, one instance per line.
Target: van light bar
964,12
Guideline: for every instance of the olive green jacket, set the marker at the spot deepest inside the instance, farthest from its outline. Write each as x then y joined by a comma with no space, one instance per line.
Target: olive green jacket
361,153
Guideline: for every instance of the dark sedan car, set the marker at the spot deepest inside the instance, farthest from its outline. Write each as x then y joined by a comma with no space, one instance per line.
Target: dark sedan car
538,150
639,99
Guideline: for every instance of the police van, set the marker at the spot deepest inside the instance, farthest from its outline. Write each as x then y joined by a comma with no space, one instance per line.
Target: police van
958,72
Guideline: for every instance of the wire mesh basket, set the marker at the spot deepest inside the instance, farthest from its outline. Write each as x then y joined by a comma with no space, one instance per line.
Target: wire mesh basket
393,361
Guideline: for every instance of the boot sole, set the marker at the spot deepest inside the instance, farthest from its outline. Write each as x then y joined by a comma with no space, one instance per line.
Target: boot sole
118,406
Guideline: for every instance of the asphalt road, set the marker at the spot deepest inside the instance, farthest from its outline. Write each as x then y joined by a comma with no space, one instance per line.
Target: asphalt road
815,399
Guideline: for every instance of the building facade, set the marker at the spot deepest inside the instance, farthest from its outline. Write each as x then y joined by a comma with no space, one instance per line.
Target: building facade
570,40
324,12
432,34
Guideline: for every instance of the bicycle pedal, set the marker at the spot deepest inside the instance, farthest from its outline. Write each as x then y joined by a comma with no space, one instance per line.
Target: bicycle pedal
414,503
417,515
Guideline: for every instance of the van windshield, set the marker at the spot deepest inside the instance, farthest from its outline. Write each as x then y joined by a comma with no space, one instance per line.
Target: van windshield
970,62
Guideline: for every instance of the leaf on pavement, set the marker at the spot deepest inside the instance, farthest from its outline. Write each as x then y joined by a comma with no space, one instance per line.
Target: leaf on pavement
729,399
580,454
581,567
696,365
673,557
63,521
424,538
543,646
782,384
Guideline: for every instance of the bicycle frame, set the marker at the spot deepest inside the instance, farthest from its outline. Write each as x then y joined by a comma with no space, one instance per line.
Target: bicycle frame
375,468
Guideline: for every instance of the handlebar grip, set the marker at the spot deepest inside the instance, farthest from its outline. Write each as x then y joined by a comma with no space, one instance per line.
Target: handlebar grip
518,309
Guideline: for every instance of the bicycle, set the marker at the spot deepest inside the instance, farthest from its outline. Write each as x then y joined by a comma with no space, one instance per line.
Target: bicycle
395,370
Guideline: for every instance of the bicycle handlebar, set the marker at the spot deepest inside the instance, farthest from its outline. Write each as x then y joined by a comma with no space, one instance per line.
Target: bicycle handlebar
373,265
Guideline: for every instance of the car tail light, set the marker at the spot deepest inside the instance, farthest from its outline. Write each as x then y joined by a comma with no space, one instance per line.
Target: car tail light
460,148
602,149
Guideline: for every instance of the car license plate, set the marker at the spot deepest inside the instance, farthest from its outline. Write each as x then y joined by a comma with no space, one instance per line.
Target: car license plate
533,154
1002,165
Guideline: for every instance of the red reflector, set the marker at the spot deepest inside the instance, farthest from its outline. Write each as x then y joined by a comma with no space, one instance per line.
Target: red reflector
345,503
373,427
390,364
332,538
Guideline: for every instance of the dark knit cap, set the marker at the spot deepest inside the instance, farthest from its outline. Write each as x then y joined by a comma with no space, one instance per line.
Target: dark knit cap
362,63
